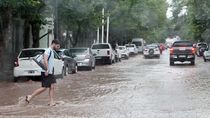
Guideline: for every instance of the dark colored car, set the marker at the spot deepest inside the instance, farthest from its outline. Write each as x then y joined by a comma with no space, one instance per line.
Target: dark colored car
70,64
182,51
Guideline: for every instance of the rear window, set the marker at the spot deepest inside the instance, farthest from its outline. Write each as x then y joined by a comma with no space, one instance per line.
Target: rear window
101,46
202,45
137,43
129,46
30,53
121,48
183,44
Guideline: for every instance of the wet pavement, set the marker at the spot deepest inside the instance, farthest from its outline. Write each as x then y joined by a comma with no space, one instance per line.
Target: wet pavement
134,88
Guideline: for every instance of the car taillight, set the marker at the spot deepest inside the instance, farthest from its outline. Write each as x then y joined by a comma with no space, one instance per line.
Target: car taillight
16,62
171,50
193,50
108,52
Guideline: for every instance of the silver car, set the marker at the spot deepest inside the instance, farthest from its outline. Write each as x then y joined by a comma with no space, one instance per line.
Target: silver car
83,56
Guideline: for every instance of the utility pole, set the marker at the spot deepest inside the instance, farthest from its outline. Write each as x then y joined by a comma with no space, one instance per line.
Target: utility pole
107,31
102,33
98,35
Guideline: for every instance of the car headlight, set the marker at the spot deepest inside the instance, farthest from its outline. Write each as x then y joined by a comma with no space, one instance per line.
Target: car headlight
86,60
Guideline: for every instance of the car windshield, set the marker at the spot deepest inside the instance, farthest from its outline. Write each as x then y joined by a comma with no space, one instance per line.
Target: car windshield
202,45
30,53
183,44
100,46
137,43
77,51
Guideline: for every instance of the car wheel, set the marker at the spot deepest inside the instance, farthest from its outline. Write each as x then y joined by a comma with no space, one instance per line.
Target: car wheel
94,66
110,61
75,69
63,73
145,56
192,62
127,57
15,79
90,68
171,63
204,59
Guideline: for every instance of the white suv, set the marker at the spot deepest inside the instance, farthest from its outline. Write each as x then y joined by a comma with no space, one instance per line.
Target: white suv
132,49
25,66
103,52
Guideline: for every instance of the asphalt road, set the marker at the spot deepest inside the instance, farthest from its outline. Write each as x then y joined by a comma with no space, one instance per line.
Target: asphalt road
134,88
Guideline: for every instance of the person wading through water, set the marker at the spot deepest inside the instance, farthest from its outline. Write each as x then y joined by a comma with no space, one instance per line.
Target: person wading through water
47,78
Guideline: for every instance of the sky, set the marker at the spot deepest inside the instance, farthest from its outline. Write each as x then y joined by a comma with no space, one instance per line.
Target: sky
169,13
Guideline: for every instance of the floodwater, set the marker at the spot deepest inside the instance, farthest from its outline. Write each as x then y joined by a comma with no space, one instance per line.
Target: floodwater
134,88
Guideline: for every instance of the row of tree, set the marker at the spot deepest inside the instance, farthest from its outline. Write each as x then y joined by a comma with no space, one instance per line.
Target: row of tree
129,19
195,23
30,12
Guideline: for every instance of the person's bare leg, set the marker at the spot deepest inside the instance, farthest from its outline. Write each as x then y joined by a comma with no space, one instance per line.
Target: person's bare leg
36,92
52,93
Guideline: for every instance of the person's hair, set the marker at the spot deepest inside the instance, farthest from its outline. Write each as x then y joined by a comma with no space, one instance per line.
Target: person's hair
55,42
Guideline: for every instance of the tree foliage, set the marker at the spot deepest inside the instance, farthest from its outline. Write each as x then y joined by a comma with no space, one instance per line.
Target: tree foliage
129,18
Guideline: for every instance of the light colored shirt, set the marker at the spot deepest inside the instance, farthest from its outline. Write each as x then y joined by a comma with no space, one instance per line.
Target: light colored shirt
50,61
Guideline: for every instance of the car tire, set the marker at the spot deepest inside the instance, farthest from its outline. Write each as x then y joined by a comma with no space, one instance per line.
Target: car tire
171,63
62,74
15,79
75,70
204,59
145,57
193,62
94,66
110,61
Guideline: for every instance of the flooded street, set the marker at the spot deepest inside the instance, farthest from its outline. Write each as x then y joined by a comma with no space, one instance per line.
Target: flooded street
135,88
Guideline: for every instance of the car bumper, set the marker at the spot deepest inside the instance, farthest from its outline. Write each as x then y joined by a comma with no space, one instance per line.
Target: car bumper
103,57
182,57
124,55
20,72
83,63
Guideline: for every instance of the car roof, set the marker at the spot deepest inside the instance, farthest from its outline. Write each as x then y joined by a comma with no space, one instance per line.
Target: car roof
35,49
183,41
77,48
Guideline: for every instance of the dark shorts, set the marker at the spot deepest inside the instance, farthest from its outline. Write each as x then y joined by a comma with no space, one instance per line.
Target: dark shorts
47,81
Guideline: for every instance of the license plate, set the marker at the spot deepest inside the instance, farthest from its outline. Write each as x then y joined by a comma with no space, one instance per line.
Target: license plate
31,71
182,48
182,56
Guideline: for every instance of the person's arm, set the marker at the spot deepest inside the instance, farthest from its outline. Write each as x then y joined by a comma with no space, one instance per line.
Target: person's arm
46,61
46,56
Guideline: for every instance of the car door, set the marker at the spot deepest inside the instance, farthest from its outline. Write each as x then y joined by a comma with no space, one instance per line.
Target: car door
58,64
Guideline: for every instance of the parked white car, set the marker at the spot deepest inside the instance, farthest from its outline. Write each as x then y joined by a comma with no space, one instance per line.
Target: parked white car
124,52
25,66
206,54
103,52
117,52
151,51
132,49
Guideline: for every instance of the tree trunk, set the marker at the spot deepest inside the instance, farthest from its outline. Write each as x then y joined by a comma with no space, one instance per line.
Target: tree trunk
7,53
26,41
74,41
35,34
